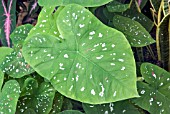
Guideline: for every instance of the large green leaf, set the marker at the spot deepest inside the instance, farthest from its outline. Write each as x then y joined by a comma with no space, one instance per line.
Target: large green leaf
85,3
9,97
120,107
4,51
40,101
155,95
92,64
20,33
134,31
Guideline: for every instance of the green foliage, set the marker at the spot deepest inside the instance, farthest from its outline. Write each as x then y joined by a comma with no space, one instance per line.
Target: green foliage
134,31
9,96
20,33
85,3
86,54
125,107
155,95
40,100
4,51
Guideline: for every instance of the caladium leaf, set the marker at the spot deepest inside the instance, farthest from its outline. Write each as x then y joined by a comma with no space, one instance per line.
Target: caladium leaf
40,101
20,33
134,31
15,65
155,95
4,51
85,3
9,97
46,22
120,107
71,112
116,6
93,63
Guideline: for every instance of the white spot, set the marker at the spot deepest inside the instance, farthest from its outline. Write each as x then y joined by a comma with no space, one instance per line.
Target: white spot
123,68
93,92
142,92
100,57
92,33
100,35
112,64
44,21
81,25
65,78
103,45
123,111
71,88
78,34
102,92
91,76
113,45
65,55
82,89
17,70
106,112
83,44
77,78
160,84
114,94
121,60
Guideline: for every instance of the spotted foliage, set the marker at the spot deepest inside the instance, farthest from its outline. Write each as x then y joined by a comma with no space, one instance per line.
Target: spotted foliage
92,63
40,100
9,96
4,51
120,107
155,95
134,31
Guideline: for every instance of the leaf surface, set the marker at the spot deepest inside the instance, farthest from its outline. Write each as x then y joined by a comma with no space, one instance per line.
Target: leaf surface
155,95
93,63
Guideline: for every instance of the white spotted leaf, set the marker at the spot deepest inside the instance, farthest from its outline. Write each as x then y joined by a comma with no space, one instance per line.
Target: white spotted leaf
120,107
116,6
9,96
85,3
20,33
4,51
40,101
134,31
93,63
15,65
155,95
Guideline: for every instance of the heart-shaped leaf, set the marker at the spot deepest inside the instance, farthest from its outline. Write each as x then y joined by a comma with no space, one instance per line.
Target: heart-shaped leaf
20,33
155,95
92,64
4,51
120,107
9,97
134,31
15,65
40,101
85,3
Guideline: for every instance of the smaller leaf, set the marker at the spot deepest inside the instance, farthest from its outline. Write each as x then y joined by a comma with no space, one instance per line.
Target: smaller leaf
120,107
40,101
70,112
134,31
4,51
9,97
115,6
155,95
15,65
20,33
